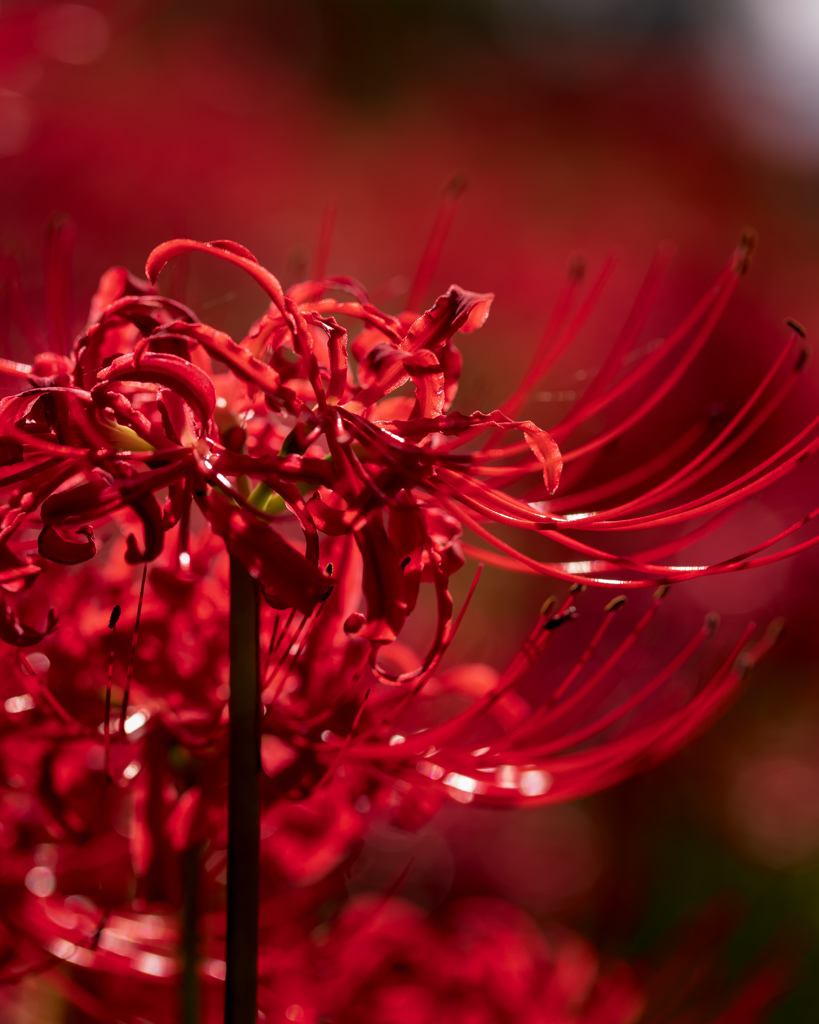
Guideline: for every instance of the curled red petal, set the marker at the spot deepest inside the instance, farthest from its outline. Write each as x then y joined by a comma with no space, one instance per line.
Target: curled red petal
114,284
183,378
56,548
147,508
11,577
381,363
456,310
428,377
337,353
234,247
39,414
96,497
17,633
382,583
231,252
546,451
92,498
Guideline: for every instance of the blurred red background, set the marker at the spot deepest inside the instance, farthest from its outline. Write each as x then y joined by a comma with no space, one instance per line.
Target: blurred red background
608,127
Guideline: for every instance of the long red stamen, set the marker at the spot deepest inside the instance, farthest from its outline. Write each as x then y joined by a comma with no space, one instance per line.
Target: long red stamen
717,294
663,388
631,329
11,369
600,724
112,625
321,257
718,444
594,495
435,243
552,330
532,723
59,245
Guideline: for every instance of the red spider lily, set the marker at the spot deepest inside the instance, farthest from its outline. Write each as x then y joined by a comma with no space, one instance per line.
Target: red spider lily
139,411
110,814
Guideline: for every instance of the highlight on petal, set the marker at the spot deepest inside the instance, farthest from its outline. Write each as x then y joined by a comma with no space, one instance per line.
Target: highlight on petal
546,451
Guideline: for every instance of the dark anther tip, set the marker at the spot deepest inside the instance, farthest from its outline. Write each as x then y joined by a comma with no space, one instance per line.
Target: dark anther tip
547,605
615,603
115,614
744,251
456,186
577,268
796,326
710,623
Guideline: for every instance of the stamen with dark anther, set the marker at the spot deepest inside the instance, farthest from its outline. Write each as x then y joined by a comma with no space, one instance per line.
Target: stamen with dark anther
328,775
129,676
112,625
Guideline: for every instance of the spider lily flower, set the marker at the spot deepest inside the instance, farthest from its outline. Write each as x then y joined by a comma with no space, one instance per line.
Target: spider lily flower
290,439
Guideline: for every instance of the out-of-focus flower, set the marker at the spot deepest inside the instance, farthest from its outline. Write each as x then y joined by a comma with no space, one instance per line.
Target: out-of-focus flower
480,960
770,782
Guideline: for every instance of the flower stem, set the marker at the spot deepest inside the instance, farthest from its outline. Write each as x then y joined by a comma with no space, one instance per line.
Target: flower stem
243,799
190,960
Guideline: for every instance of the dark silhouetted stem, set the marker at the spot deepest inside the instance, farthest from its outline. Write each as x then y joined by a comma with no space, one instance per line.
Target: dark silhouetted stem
189,989
243,800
